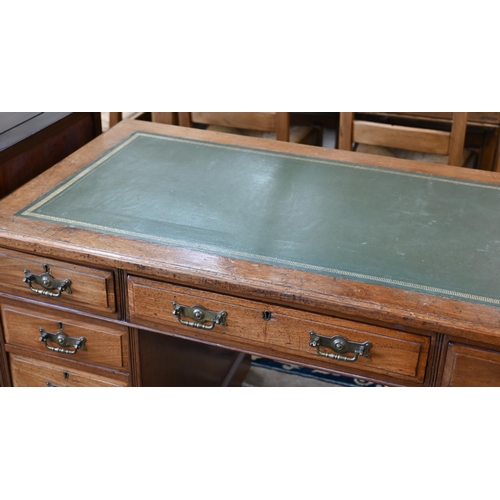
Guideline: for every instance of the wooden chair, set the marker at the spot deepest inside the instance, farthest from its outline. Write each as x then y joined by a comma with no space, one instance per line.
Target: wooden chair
405,142
267,125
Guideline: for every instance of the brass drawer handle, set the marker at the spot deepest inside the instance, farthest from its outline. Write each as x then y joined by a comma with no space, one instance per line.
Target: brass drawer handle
48,282
340,345
200,315
62,340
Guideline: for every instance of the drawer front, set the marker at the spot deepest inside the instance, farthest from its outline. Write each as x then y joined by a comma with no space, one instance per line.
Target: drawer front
151,304
89,289
28,372
468,366
104,344
285,332
391,352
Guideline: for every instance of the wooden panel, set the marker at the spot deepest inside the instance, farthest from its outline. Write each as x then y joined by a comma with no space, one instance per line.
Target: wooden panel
173,362
468,366
92,289
395,136
393,353
479,118
150,304
106,344
27,372
252,121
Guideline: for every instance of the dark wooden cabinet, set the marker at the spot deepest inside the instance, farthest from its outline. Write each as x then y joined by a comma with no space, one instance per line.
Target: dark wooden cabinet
30,143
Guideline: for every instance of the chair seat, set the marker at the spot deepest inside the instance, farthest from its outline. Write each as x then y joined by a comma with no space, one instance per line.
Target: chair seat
404,154
298,133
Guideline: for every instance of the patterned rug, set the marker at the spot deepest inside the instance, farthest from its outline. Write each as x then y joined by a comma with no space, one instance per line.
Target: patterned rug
269,373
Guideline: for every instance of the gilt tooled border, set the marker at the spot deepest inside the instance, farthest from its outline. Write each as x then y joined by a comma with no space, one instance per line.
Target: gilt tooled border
30,212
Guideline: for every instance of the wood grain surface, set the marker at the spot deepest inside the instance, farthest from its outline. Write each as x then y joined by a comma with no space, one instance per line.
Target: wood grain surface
106,344
27,372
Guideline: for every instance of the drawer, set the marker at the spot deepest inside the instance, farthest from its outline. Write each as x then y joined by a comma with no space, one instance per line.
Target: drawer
89,289
285,333
393,353
469,366
28,372
151,304
104,344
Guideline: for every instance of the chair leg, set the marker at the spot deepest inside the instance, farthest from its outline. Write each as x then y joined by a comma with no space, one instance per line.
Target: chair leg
457,139
345,131
114,118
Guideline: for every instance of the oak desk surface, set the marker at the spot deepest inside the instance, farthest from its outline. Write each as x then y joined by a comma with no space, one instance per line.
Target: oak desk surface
392,241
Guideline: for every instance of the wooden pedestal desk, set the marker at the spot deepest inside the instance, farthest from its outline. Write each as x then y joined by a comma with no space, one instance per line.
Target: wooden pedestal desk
155,250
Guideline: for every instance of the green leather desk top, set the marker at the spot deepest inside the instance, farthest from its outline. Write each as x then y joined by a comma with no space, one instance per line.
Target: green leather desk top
402,229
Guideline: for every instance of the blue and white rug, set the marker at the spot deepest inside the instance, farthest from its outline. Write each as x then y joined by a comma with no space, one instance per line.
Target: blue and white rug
268,373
